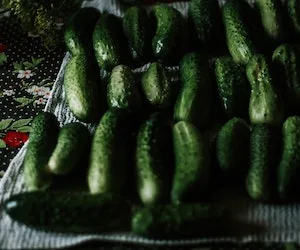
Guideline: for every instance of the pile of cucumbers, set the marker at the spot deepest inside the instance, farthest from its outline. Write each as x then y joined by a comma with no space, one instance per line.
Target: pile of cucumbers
232,117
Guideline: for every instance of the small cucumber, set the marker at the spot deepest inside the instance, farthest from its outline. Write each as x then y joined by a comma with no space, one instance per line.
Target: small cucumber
194,101
289,166
71,143
192,163
266,105
293,10
154,160
69,212
42,141
123,90
174,221
109,152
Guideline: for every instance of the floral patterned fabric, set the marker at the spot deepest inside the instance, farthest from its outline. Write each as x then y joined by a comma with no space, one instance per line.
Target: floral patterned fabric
27,73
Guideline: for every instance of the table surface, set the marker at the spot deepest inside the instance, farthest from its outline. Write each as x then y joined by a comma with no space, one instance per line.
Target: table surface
26,80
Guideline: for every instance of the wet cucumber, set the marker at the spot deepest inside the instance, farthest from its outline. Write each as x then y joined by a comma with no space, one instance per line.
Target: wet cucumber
191,163
69,212
154,160
42,141
71,143
289,166
109,152
293,10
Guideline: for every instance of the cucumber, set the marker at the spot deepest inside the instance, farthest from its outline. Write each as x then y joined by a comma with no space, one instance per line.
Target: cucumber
82,88
286,62
109,152
69,212
266,105
233,87
42,141
239,38
135,26
79,30
289,166
264,150
157,86
192,163
167,39
194,101
71,143
293,10
123,90
232,147
173,221
154,160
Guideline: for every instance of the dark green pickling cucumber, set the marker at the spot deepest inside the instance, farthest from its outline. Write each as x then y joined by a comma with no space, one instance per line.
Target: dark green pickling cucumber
239,38
293,11
42,141
136,29
289,166
109,152
206,21
232,148
194,101
173,221
82,88
79,30
264,151
271,13
69,212
266,105
123,90
286,62
192,162
154,160
71,143
109,43
233,87
157,86
166,43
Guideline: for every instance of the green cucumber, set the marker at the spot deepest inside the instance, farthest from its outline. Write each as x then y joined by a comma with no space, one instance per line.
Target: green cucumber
109,152
154,160
192,162
69,212
194,101
71,143
42,141
266,105
293,10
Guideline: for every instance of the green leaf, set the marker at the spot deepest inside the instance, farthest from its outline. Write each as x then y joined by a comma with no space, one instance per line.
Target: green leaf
3,59
36,61
4,124
24,101
24,129
28,65
2,144
20,123
18,66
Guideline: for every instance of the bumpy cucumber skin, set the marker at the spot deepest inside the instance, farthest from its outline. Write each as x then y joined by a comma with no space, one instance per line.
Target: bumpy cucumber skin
194,101
289,166
169,25
157,87
135,26
266,105
233,86
264,150
286,62
293,10
173,221
109,152
122,89
42,141
79,30
192,163
239,40
69,212
82,87
232,147
71,143
154,160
